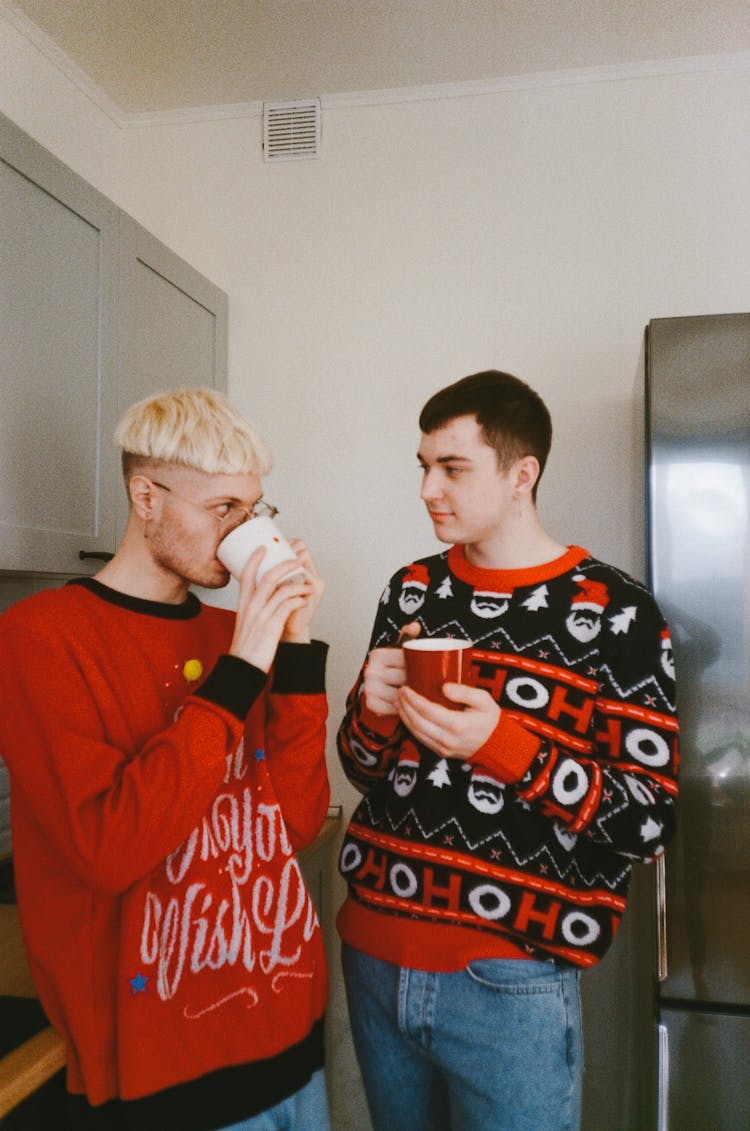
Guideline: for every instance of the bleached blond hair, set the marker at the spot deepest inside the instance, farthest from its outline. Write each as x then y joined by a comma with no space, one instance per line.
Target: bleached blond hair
195,428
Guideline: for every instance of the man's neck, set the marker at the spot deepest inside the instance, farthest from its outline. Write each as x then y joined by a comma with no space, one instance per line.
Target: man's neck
523,546
133,571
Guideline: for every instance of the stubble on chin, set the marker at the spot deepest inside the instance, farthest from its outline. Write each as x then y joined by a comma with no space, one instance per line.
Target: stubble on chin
213,583
215,576
177,562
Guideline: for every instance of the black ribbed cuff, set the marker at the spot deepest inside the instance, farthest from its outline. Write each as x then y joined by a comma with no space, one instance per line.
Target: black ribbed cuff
300,669
233,684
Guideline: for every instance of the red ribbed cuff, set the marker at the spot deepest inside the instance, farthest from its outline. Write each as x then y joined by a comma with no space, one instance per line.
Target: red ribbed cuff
509,751
384,725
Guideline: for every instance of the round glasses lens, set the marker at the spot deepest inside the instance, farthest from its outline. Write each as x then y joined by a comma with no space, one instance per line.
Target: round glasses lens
234,518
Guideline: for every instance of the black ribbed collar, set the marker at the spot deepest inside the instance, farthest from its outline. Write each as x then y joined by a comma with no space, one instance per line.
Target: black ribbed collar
186,611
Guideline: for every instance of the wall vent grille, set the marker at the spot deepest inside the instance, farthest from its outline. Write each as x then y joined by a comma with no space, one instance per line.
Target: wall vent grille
291,130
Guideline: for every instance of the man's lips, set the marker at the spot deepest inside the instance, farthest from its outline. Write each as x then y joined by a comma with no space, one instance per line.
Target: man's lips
439,516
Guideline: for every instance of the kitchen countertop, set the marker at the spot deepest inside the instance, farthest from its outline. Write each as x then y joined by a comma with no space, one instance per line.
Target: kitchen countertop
27,1066
41,1052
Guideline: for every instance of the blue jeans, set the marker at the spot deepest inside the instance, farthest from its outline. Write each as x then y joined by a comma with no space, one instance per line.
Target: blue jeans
306,1110
494,1047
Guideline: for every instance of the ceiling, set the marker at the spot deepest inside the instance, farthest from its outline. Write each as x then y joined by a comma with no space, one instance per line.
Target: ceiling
150,56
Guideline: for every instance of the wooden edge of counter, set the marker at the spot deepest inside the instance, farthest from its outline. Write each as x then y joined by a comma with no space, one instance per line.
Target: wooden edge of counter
29,1066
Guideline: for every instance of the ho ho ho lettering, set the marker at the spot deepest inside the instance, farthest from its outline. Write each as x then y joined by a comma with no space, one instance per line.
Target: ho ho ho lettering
547,917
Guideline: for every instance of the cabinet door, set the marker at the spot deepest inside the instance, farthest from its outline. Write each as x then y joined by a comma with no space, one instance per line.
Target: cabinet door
172,324
58,279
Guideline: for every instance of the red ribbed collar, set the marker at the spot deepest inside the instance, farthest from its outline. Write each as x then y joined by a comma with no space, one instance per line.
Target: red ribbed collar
497,580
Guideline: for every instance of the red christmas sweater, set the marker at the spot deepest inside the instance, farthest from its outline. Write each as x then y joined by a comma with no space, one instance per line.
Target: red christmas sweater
526,849
159,791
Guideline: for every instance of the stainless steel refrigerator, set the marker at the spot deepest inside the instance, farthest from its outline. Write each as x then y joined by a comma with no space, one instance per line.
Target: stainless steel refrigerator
698,535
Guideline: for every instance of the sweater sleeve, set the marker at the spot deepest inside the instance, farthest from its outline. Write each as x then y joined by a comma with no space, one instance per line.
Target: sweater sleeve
113,813
616,782
296,736
368,743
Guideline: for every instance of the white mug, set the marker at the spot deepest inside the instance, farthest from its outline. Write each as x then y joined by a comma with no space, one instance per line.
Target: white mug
235,550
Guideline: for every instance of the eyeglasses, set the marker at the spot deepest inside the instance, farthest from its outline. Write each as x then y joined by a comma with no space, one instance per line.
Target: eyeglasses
233,514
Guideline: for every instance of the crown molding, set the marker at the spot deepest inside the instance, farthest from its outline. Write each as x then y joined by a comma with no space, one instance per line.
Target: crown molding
47,47
619,72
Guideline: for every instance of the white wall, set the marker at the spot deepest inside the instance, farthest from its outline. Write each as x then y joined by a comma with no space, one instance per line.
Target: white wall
535,230
532,229
40,99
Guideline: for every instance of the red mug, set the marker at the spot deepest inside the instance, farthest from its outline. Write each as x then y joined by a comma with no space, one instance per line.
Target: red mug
435,660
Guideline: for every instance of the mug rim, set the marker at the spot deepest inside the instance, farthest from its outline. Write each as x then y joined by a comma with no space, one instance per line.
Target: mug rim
437,644
264,518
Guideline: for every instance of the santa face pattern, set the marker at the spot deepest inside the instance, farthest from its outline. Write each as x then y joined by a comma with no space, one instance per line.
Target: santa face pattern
486,793
667,655
405,777
489,605
413,588
583,624
574,655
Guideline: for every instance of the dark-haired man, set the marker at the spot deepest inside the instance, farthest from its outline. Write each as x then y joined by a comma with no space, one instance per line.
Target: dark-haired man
489,860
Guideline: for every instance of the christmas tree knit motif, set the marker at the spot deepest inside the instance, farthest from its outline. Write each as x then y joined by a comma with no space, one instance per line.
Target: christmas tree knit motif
530,842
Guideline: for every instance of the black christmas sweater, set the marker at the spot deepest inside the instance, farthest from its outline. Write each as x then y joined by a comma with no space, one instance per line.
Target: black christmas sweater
527,848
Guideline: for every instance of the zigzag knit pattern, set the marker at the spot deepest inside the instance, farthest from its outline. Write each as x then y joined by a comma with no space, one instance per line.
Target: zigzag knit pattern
529,844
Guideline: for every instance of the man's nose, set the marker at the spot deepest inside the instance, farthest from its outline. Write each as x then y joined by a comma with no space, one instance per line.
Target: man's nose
431,488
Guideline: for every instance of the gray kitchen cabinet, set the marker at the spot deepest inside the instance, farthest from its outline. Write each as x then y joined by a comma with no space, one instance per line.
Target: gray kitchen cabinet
58,376
95,313
172,325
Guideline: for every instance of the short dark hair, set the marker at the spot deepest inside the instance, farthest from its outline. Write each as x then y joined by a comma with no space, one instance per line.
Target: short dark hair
514,419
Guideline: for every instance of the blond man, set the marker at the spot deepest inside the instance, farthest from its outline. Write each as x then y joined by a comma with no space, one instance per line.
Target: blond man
166,761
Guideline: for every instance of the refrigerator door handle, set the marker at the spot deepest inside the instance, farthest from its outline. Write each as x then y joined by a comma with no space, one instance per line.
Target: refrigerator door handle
661,920
662,1118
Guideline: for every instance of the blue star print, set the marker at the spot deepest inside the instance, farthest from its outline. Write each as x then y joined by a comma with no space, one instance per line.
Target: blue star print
138,984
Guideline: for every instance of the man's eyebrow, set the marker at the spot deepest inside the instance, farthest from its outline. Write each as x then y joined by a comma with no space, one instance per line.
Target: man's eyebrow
235,500
446,459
